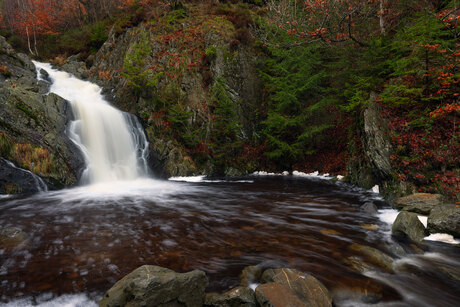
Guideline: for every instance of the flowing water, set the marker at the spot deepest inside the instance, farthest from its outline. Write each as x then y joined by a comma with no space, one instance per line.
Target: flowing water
82,240
68,247
113,142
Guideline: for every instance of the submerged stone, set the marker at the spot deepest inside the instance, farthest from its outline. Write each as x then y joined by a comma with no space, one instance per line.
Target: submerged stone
374,256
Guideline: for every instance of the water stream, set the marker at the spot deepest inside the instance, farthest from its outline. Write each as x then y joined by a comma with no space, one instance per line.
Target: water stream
74,244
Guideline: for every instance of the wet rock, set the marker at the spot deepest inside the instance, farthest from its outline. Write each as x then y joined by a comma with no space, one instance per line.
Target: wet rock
357,264
445,219
305,287
421,203
151,285
250,275
407,225
374,256
240,296
12,238
14,180
369,208
278,295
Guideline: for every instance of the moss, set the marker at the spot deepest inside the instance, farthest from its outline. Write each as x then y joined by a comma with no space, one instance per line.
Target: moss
27,111
11,188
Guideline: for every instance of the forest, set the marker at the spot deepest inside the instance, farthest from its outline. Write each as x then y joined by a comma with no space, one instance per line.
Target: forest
319,64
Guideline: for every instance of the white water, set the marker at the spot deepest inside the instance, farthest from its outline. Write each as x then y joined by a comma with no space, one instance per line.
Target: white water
112,142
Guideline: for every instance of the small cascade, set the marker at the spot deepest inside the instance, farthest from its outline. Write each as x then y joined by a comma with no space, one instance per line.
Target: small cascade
39,183
113,142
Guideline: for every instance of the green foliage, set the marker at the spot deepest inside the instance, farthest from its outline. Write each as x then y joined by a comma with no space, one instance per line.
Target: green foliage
175,16
211,52
6,146
98,36
226,141
139,77
296,110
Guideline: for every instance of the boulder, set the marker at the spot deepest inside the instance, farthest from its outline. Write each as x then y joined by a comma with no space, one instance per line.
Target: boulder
445,219
374,256
369,208
250,275
421,203
305,287
278,295
240,296
407,225
151,285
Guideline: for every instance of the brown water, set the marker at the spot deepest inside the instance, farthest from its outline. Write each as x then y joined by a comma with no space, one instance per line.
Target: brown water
83,240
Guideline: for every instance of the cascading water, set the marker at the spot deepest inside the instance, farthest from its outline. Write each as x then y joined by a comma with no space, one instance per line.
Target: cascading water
113,142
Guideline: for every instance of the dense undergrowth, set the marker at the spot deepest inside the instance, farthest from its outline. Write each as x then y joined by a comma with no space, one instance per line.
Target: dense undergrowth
316,82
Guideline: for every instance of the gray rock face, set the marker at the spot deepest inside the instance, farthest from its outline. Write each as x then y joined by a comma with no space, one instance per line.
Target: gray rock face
35,121
151,285
421,203
293,284
238,297
15,181
445,219
407,225
377,140
75,67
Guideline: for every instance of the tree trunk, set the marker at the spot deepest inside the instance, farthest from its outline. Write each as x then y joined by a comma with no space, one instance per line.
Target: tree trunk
381,17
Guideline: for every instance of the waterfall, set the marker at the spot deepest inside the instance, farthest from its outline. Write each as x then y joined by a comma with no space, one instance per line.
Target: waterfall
113,142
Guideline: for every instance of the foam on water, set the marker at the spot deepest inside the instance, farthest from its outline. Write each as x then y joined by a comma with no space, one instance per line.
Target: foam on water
70,300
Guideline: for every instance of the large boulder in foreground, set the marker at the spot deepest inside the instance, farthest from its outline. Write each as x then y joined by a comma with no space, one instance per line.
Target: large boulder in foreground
290,287
445,219
407,225
151,285
421,203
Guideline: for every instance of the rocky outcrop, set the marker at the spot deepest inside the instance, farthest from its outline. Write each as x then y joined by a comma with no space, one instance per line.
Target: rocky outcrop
369,163
290,287
421,203
407,225
445,219
377,140
33,125
151,285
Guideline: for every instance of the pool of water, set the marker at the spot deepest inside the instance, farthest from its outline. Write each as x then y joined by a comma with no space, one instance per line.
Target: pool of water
79,242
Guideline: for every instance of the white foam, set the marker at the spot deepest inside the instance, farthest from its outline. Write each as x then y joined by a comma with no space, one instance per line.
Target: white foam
340,177
188,178
75,300
424,220
201,178
388,215
315,174
376,189
253,286
442,237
